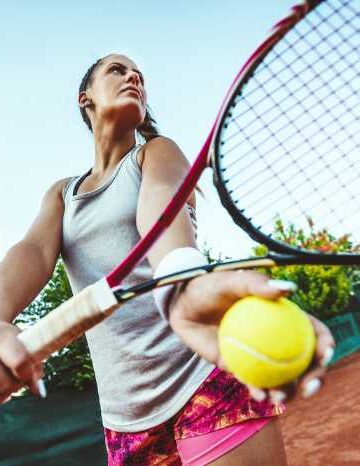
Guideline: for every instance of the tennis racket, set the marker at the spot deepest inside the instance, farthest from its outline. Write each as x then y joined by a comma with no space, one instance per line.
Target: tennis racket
286,142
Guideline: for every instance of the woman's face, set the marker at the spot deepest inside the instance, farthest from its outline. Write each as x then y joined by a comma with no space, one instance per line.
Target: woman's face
117,91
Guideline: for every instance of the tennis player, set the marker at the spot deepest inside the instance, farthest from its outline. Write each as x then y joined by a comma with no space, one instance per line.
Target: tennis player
162,401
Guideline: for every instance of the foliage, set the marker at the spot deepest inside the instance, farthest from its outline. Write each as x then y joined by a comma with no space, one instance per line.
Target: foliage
210,255
322,290
71,366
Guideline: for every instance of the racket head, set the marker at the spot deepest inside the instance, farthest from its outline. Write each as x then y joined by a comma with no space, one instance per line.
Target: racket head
287,145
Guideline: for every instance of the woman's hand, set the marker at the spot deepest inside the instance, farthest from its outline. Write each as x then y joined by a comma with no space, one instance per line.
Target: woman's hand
16,366
197,310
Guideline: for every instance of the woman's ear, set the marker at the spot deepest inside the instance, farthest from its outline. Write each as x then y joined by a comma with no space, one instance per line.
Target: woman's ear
83,100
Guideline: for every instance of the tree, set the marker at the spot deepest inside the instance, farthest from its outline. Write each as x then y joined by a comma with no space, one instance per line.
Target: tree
323,291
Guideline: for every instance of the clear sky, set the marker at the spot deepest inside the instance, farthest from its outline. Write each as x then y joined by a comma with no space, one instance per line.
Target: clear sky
189,52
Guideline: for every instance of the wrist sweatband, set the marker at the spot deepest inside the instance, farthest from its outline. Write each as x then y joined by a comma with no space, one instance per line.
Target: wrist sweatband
175,261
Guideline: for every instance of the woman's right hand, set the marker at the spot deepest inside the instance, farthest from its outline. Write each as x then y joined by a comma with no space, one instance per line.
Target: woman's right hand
16,366
196,312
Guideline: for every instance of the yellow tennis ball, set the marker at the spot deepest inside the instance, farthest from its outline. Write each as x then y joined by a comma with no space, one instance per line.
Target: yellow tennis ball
266,343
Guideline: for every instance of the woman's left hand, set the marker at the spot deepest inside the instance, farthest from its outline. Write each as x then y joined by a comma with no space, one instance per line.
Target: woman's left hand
196,313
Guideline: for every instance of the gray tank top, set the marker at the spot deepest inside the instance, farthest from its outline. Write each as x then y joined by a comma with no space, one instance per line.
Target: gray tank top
144,373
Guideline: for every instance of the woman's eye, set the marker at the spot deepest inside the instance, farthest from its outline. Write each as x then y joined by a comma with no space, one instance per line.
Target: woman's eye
116,70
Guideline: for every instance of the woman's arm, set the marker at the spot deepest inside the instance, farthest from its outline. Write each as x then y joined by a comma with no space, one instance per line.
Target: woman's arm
23,272
199,307
164,167
28,265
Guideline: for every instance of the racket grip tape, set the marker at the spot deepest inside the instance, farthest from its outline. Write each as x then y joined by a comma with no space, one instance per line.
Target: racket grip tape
69,321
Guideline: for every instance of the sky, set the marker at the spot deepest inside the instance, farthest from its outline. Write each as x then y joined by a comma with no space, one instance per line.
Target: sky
189,53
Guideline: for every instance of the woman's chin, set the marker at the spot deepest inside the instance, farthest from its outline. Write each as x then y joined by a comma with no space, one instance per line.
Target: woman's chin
129,103
130,113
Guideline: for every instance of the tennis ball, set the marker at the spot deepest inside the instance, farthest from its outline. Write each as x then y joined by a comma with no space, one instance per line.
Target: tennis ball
266,343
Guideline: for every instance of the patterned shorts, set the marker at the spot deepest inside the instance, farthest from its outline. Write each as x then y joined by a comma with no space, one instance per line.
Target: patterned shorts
220,401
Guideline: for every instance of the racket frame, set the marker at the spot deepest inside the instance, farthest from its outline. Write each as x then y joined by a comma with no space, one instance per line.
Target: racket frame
298,12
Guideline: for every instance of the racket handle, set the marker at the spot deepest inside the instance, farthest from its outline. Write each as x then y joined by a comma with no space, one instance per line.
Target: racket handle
70,320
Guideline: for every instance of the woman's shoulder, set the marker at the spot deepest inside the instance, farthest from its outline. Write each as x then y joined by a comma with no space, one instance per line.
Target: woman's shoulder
159,146
160,141
59,188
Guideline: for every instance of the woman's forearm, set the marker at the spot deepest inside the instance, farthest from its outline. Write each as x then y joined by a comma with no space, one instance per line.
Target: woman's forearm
180,233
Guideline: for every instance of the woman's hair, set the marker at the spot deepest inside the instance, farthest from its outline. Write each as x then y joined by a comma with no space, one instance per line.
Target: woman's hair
147,129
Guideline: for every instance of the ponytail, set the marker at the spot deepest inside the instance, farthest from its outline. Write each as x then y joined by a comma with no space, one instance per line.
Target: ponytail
148,129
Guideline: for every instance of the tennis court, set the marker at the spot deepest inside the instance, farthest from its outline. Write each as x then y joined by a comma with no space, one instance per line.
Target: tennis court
325,430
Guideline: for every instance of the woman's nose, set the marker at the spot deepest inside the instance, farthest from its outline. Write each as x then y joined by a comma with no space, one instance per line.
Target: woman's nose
133,77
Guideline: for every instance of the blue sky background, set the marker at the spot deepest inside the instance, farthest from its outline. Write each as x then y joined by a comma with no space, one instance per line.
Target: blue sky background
188,51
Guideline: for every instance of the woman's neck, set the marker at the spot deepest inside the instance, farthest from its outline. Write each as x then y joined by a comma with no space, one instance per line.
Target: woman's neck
110,147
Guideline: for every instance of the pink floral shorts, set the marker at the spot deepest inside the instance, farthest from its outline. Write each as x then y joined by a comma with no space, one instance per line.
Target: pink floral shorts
221,401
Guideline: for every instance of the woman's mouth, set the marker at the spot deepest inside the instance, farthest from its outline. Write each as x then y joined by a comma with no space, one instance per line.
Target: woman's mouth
131,89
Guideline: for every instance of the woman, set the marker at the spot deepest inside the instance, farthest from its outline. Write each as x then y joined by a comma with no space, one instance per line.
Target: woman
161,402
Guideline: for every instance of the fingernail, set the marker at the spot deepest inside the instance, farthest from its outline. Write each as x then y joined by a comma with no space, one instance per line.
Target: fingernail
282,285
328,355
42,388
311,388
277,396
257,394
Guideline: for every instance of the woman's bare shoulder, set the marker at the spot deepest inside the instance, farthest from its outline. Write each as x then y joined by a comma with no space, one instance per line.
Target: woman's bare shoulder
57,189
159,147
160,141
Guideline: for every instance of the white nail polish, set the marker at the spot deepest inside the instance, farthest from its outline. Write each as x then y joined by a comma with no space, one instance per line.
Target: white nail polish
328,355
277,396
42,388
282,285
311,388
257,394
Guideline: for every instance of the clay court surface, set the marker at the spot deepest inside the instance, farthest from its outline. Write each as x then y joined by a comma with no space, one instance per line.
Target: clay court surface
325,431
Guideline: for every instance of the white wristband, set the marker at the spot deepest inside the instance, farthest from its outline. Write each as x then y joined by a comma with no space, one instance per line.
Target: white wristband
175,261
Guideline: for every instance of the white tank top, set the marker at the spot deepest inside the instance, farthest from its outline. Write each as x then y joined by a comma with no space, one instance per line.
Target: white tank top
144,373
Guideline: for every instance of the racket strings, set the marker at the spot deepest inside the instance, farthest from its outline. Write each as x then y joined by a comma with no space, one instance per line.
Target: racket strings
315,196
315,149
333,212
302,83
318,189
274,58
261,174
273,174
278,117
290,144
